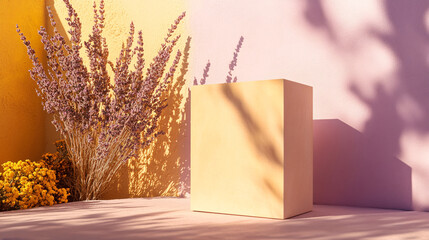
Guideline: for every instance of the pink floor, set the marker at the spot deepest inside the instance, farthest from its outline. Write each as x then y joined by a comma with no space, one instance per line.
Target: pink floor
169,218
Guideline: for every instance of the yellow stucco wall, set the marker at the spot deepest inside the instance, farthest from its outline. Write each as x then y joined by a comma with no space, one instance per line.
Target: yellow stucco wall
158,172
153,17
21,114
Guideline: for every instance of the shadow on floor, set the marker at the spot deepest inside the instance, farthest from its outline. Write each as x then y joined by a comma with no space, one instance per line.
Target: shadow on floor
171,219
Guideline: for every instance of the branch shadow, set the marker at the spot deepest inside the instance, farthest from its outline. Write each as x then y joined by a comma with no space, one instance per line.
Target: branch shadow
373,150
260,139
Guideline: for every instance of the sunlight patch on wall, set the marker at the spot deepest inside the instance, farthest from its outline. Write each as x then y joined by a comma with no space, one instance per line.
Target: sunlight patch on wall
350,18
409,110
415,153
427,20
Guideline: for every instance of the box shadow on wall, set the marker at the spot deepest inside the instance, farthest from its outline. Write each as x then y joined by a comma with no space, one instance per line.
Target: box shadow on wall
351,170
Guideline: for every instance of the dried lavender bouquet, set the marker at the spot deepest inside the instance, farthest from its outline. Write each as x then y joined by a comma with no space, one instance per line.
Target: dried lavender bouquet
104,125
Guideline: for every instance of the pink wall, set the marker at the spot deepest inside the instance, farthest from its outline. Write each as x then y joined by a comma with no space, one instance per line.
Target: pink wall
368,63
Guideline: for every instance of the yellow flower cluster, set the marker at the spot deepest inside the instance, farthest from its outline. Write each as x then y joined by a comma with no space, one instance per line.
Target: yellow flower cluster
27,184
61,164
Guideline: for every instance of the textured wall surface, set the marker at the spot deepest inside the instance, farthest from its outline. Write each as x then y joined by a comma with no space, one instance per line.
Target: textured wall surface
367,62
21,116
152,17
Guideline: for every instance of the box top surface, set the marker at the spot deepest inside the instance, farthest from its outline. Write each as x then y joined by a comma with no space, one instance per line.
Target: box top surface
256,81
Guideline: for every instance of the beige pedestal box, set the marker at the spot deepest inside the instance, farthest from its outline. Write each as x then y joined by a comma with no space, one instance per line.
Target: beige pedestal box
252,148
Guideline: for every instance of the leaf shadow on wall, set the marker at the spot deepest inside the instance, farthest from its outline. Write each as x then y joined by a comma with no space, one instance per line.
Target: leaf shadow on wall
163,169
386,180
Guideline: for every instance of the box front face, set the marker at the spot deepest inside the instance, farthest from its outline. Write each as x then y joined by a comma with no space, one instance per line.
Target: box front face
237,148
